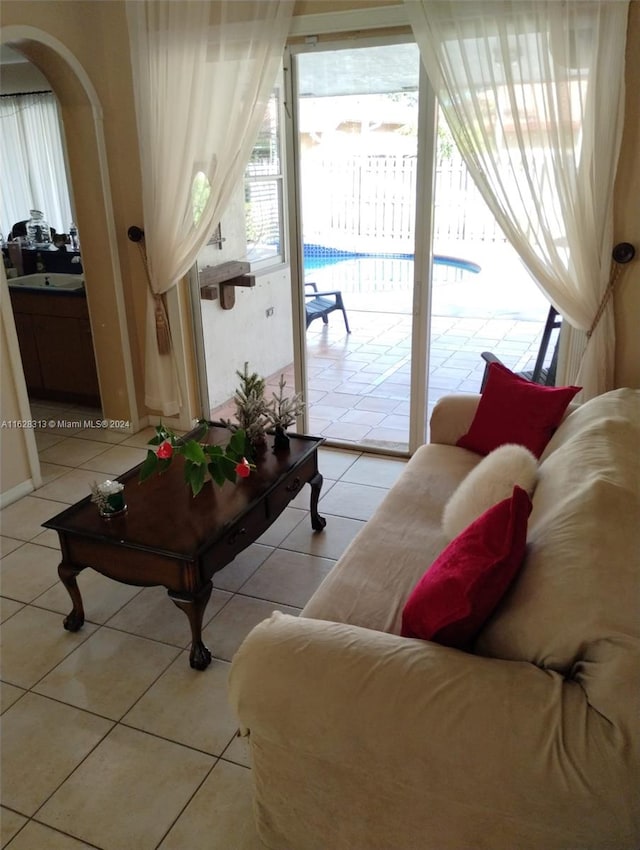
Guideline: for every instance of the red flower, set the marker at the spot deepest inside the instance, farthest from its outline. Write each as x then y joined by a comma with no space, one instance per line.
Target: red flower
243,469
165,450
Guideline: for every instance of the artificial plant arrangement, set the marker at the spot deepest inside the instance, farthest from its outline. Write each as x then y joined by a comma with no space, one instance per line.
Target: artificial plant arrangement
257,416
282,411
251,407
223,463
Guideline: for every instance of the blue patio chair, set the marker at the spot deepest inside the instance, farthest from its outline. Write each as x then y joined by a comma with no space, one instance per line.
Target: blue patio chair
540,374
320,304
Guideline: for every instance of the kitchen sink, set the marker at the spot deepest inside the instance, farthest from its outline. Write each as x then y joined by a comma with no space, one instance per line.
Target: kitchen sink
48,280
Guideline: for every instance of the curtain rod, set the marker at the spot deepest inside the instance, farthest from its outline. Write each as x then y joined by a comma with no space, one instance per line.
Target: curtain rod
23,93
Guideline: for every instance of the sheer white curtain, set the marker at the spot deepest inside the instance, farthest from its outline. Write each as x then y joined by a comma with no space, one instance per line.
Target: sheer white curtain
34,175
533,92
202,73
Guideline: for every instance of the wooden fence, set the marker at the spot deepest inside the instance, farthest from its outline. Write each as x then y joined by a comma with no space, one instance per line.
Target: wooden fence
366,204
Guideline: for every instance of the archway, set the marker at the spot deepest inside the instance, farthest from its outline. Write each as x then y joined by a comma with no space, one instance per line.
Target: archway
81,115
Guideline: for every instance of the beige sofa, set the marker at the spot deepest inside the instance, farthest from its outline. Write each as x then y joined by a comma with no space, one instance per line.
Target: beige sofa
364,740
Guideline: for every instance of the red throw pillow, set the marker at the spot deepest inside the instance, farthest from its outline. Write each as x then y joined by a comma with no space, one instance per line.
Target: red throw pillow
465,583
514,410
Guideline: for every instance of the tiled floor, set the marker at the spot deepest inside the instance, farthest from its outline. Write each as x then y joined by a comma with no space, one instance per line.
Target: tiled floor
359,383
109,739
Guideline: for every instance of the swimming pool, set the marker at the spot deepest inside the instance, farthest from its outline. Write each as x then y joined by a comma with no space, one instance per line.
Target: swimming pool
354,272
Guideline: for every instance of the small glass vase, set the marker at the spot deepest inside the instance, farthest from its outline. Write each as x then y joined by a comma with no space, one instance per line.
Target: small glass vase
109,497
114,505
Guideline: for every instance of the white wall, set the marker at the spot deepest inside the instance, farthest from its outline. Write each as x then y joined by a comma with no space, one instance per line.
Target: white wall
244,333
19,466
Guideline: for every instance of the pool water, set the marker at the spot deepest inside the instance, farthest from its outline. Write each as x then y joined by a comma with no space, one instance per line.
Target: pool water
377,273
498,287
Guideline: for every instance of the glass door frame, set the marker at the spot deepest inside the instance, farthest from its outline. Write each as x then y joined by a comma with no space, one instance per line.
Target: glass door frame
423,247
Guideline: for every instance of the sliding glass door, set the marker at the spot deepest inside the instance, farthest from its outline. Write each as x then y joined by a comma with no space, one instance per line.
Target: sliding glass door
358,142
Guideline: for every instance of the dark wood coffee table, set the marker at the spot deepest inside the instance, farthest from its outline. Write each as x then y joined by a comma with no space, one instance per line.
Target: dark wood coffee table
169,537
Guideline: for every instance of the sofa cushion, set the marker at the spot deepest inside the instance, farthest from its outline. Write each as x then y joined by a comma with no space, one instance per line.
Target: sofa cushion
574,608
374,576
463,586
514,410
491,481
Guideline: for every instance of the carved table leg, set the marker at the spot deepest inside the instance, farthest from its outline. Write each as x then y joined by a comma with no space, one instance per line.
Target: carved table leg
68,573
193,607
317,522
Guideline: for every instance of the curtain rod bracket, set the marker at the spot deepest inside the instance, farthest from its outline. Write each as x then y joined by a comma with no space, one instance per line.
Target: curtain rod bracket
624,252
135,234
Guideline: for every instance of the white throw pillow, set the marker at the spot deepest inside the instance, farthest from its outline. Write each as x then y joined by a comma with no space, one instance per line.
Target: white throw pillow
492,480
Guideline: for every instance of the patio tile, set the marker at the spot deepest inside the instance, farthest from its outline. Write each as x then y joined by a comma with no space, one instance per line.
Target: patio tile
396,422
346,431
362,417
341,400
330,412
377,405
388,438
357,384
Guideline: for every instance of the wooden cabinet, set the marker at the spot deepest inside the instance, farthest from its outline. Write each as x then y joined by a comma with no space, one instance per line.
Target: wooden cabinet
56,346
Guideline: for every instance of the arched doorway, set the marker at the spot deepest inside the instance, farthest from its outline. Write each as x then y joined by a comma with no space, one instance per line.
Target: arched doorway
88,173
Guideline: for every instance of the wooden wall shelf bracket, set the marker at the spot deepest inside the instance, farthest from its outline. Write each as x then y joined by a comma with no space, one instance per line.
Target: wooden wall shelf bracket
223,280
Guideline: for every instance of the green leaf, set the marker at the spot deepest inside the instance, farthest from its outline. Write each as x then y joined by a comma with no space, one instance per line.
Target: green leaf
149,465
163,463
194,452
216,472
196,478
229,470
238,443
155,441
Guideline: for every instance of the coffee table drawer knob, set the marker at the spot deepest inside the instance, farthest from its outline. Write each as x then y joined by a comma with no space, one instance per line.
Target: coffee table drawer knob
294,486
233,537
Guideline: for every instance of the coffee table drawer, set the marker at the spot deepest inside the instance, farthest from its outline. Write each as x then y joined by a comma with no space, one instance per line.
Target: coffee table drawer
289,488
243,534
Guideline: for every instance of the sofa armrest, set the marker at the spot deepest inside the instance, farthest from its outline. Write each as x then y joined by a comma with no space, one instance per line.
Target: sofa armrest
463,733
452,417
